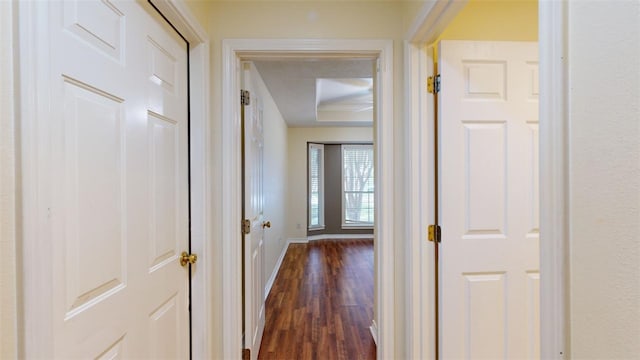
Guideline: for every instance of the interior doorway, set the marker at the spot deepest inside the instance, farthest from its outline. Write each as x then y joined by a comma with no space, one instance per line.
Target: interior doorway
429,141
380,53
329,196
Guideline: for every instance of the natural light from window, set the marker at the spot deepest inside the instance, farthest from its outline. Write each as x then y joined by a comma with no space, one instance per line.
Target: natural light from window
357,186
316,186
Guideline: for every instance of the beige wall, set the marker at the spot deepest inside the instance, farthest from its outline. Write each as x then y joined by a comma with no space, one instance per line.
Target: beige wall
275,173
8,292
515,20
604,161
298,138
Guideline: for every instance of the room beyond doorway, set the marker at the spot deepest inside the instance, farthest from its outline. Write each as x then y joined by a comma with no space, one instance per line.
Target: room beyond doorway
380,51
286,99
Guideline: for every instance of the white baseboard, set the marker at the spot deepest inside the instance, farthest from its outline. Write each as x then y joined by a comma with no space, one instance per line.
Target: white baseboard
297,241
374,331
274,273
339,236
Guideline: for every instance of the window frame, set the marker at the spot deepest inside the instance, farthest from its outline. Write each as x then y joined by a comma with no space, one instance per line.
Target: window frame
346,225
321,224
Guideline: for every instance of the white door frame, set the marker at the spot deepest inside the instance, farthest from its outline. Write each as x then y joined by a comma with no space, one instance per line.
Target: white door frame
34,336
233,50
8,183
554,130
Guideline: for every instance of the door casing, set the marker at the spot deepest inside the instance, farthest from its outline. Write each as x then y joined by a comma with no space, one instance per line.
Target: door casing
554,189
235,50
34,337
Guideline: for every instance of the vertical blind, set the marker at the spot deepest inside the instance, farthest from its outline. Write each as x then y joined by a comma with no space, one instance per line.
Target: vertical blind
316,185
358,185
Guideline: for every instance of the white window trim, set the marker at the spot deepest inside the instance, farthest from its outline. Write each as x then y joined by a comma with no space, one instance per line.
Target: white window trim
321,224
342,201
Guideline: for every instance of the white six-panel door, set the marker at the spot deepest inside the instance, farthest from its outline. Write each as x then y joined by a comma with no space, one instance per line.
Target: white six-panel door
119,163
254,211
488,169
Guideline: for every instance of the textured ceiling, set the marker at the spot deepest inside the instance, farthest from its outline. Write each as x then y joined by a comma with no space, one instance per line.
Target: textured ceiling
292,84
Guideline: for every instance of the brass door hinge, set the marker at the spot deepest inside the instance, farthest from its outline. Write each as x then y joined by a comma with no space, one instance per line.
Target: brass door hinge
435,233
433,84
245,97
246,226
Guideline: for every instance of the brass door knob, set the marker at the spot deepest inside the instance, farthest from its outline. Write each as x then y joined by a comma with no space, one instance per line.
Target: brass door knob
188,258
266,224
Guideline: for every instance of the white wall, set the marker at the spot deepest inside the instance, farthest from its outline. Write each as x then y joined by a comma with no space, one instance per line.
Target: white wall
604,98
275,173
297,194
8,301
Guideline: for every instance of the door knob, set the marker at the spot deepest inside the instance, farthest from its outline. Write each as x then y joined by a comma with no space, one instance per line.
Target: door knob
266,224
188,258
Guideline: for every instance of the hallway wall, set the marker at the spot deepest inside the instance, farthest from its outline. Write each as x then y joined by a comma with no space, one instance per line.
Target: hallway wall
604,179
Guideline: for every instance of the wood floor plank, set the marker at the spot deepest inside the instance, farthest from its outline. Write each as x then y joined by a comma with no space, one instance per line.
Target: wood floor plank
321,303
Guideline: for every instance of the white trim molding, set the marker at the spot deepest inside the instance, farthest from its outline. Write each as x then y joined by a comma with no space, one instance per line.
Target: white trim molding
374,332
297,241
8,182
179,15
420,176
233,50
554,180
34,261
276,269
339,237
432,19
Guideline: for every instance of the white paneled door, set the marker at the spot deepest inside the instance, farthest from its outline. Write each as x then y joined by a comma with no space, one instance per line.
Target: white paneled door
120,194
253,244
488,169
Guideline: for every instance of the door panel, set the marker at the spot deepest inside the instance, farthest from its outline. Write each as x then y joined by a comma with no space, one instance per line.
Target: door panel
99,24
254,211
488,124
119,164
163,142
93,144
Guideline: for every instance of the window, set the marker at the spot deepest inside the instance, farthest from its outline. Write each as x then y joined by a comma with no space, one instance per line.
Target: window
357,186
316,186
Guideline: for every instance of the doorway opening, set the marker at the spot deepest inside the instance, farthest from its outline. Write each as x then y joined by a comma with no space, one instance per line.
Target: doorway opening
420,65
314,120
378,53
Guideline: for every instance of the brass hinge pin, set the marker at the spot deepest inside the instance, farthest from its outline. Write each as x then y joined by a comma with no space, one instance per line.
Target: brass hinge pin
435,233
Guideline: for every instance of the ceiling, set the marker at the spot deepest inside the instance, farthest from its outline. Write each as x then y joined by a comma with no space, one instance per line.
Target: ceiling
326,92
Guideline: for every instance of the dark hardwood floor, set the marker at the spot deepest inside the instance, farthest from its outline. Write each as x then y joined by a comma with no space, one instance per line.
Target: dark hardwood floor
321,303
